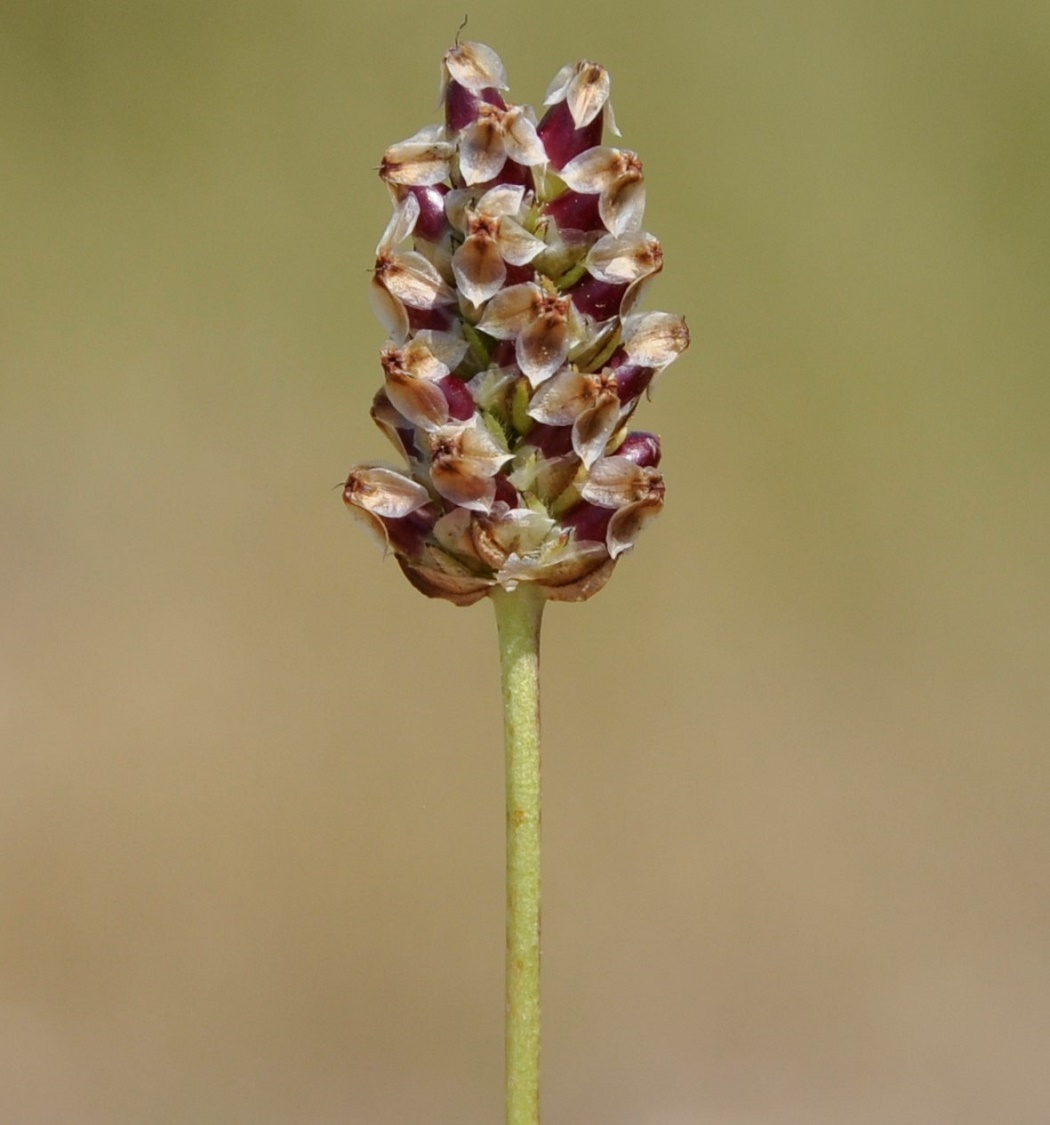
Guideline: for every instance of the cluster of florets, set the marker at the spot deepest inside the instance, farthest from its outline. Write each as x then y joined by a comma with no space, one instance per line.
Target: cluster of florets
508,279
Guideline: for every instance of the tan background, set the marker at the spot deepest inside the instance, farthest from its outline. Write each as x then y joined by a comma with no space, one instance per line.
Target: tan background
797,783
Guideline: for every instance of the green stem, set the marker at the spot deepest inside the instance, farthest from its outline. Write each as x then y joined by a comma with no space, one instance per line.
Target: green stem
518,616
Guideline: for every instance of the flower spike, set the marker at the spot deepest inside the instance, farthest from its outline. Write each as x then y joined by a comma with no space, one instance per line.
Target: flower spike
508,278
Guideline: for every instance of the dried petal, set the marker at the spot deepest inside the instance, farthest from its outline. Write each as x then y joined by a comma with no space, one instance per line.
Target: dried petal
402,223
479,268
481,151
509,531
423,159
476,66
412,373
594,427
615,482
655,339
510,311
504,199
585,85
594,170
389,311
625,257
561,399
495,135
384,491
622,206
538,322
464,459
493,238
629,522
520,138
517,246
617,175
563,563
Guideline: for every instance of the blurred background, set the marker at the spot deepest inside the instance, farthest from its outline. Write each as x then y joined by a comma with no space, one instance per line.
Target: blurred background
797,819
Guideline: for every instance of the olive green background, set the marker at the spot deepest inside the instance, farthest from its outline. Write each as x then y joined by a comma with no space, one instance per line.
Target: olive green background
797,817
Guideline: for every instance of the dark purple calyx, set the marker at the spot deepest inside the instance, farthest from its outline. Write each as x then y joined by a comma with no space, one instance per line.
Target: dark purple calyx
631,379
518,275
457,395
439,319
506,492
641,448
432,222
574,210
512,174
600,299
562,140
588,521
504,353
551,441
461,104
407,535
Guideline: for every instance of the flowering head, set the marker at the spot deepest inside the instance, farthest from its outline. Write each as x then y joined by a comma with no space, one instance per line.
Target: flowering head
508,279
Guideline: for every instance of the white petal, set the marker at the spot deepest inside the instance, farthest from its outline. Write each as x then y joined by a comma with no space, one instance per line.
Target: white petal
384,492
516,244
476,66
654,339
588,92
488,386
417,161
389,311
625,257
446,347
561,399
504,199
401,225
541,348
593,170
419,400
592,430
622,205
615,482
559,86
628,523
510,311
479,268
520,139
481,151
416,358
413,280
480,446
456,203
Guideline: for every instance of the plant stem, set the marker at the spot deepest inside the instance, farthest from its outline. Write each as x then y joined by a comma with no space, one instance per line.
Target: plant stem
518,615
